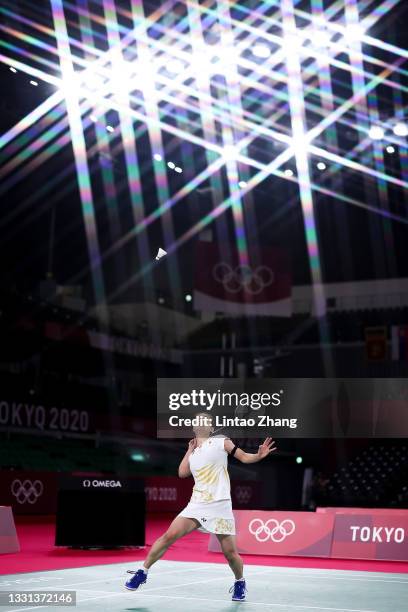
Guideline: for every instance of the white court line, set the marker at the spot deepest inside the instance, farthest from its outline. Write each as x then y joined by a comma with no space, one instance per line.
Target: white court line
146,592
116,594
108,578
192,599
258,572
355,579
261,603
261,571
365,576
255,603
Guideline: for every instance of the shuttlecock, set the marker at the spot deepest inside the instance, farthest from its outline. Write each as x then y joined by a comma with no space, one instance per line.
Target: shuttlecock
161,253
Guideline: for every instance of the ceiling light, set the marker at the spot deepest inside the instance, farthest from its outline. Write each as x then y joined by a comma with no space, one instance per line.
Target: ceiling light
137,457
92,81
34,83
12,69
321,166
400,129
110,129
288,172
242,184
230,152
261,50
376,132
291,43
354,31
321,38
178,170
175,66
390,149
171,165
157,157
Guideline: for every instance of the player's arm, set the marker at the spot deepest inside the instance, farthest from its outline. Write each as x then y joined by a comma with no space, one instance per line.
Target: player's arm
184,467
264,450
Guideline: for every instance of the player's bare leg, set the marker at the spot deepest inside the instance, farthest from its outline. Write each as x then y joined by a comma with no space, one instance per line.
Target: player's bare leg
180,527
229,548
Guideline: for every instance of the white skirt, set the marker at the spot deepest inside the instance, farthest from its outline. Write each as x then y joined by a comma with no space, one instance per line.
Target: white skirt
214,517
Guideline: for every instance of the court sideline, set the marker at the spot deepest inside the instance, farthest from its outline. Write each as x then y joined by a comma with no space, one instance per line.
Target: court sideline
177,585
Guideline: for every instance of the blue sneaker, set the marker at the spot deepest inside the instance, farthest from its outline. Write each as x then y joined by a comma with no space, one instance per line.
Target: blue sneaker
239,589
137,579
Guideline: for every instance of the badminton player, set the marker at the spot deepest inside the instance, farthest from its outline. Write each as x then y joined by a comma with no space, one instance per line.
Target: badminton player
210,508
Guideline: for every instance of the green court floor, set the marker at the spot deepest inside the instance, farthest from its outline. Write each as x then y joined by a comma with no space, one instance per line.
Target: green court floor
180,587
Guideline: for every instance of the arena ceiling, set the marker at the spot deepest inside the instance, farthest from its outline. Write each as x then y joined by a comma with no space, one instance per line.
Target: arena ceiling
127,126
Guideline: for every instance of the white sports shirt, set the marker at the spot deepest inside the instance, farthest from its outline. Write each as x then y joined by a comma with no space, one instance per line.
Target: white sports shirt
208,465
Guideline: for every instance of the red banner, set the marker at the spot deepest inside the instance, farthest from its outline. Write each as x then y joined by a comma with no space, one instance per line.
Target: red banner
376,343
261,288
170,493
29,492
348,533
281,533
36,492
245,494
370,534
167,493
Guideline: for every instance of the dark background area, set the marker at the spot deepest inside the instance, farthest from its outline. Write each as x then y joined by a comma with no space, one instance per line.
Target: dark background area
50,306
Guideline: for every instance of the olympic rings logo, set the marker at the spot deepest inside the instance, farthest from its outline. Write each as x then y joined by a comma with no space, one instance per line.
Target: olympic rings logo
277,533
27,491
243,493
243,277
